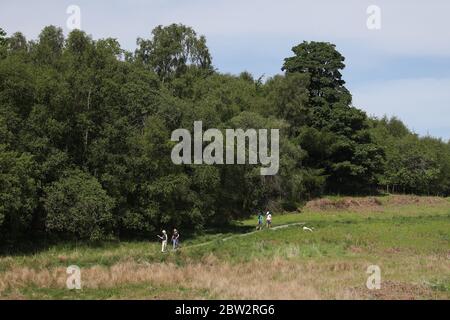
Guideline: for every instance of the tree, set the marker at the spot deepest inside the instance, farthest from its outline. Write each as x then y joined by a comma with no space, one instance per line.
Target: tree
18,192
323,63
50,45
2,37
17,43
289,98
349,158
78,206
172,50
85,136
413,164
3,41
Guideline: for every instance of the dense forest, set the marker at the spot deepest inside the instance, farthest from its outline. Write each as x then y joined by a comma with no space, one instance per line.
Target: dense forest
85,132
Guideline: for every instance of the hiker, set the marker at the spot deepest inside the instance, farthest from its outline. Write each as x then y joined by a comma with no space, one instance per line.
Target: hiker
268,219
260,221
175,239
164,241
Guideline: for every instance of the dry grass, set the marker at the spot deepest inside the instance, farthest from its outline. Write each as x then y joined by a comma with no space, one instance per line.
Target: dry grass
371,203
277,278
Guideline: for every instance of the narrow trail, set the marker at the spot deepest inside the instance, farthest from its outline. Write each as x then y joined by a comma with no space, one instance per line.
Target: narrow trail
243,235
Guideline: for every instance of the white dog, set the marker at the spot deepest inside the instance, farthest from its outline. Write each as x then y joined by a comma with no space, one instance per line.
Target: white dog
305,228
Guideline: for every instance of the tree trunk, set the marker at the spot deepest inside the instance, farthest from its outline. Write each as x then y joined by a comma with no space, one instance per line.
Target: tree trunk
86,133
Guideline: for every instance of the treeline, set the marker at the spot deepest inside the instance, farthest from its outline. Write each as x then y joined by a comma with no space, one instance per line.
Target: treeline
85,136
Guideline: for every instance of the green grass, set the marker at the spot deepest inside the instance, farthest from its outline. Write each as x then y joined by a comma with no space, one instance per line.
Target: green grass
411,243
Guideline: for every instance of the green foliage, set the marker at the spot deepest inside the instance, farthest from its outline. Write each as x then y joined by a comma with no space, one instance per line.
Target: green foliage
17,43
3,42
18,192
334,134
172,50
323,63
77,206
288,99
2,37
85,136
50,46
413,164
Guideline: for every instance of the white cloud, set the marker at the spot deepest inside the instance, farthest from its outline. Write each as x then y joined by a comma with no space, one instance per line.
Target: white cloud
410,27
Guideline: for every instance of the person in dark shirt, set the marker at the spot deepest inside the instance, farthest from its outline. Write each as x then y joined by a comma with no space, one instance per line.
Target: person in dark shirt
260,221
175,239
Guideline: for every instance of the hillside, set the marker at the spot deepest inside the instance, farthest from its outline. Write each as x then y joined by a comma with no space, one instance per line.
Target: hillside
407,237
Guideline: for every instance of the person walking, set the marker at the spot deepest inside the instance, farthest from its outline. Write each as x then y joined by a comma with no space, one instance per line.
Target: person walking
163,240
260,221
268,219
175,239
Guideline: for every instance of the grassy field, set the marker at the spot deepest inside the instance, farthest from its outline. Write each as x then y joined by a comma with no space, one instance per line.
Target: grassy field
407,237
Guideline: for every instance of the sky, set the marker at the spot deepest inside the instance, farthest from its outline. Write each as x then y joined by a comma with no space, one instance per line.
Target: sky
401,68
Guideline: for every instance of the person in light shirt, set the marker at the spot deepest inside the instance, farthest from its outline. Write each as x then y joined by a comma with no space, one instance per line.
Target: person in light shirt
268,219
163,241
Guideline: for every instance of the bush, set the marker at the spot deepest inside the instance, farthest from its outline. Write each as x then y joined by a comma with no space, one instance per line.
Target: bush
18,192
78,206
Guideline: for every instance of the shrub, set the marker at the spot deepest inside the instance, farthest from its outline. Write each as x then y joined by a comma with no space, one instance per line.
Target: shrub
79,207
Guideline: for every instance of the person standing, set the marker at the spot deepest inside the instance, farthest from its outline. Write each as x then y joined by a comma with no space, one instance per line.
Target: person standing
163,240
268,219
175,239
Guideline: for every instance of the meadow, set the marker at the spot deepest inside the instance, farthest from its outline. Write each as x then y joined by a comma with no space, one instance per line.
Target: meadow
408,237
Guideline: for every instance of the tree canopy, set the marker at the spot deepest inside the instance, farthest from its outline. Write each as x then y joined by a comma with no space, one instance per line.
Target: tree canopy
85,131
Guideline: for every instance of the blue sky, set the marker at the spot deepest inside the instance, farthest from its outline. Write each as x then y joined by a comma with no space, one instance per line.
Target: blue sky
403,69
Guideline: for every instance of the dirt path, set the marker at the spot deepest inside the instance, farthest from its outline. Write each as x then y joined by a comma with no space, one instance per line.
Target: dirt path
243,235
